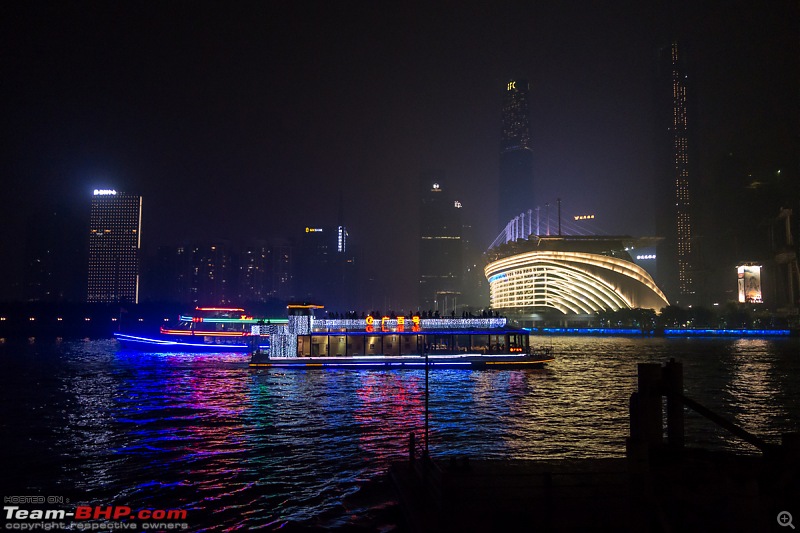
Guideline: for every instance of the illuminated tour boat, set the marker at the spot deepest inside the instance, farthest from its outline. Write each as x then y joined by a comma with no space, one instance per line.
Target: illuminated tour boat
217,329
410,342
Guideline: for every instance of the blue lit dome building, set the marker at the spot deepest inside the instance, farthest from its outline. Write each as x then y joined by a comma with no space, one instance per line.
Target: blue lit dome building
532,277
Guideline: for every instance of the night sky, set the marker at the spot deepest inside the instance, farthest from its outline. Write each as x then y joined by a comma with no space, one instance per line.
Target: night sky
247,120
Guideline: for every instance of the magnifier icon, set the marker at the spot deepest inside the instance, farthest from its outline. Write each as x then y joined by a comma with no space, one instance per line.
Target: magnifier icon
785,519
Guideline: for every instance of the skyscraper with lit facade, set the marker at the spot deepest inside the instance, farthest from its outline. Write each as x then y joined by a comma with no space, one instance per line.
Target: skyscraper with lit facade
674,217
115,224
440,249
515,190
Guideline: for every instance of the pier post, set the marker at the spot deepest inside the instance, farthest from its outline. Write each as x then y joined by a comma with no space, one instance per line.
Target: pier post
790,448
673,388
649,409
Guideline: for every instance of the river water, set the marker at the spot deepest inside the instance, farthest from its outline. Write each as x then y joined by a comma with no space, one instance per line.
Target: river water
246,449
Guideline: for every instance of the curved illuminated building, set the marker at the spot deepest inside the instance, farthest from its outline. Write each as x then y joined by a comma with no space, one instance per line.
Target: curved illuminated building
570,274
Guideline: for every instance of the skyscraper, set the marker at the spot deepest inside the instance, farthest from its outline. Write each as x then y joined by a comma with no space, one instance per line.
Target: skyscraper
440,249
674,220
54,253
515,191
115,224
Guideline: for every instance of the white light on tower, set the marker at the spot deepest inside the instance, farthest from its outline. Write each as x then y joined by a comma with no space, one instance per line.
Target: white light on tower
341,244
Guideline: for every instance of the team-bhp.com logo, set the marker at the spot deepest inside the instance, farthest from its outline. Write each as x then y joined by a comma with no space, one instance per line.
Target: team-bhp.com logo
97,517
85,512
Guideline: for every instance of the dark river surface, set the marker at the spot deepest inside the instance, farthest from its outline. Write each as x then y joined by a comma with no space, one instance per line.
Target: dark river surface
244,449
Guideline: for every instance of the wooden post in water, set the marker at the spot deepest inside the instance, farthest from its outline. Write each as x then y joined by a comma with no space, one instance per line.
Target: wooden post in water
648,422
673,388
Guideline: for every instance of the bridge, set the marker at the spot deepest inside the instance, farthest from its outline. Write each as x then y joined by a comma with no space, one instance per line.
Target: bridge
531,222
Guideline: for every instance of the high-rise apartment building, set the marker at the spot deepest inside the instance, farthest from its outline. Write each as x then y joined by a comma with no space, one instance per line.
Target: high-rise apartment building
54,255
515,190
213,274
674,218
220,273
115,224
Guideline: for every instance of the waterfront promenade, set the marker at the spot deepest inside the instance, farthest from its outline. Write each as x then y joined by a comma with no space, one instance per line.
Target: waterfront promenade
660,485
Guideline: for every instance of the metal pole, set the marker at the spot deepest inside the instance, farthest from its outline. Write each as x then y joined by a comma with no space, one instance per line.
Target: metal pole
559,217
427,395
547,207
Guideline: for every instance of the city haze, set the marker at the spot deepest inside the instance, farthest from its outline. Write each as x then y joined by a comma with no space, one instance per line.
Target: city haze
251,121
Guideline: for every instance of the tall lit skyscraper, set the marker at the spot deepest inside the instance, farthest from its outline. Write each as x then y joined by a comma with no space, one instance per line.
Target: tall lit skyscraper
115,226
674,220
440,249
515,191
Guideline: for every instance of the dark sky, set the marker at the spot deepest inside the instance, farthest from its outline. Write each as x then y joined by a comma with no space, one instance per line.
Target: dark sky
246,120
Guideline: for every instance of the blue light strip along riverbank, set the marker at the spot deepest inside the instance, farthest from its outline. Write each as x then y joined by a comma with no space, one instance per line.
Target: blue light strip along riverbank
672,332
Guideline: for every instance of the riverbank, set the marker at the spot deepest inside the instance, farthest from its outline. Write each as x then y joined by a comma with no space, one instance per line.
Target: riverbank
660,485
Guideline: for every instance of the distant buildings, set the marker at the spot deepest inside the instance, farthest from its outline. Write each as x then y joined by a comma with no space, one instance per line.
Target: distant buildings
515,191
55,255
221,273
328,268
675,269
441,267
319,265
115,224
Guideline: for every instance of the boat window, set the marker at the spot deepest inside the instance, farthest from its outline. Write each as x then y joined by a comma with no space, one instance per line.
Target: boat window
391,345
304,346
480,343
517,342
409,344
373,345
319,346
439,343
462,343
338,345
497,343
355,345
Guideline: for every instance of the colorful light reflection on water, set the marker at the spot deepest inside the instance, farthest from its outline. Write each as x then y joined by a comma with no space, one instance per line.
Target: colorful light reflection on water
245,449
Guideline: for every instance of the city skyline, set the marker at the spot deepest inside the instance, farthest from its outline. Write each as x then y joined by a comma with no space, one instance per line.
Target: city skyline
241,122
